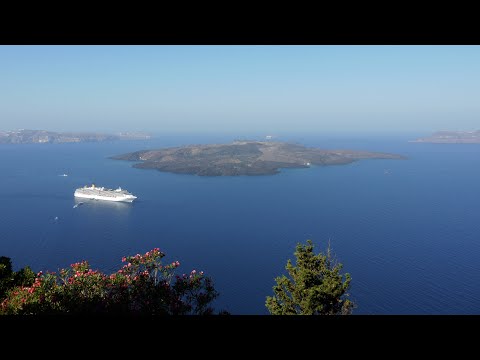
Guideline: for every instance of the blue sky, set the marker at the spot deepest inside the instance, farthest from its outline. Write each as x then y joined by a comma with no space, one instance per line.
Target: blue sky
270,89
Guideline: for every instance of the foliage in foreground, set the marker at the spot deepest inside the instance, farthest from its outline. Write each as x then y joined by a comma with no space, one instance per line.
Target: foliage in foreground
142,286
315,286
10,279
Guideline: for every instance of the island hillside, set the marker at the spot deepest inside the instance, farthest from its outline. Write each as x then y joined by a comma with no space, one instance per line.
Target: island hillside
25,136
452,137
243,158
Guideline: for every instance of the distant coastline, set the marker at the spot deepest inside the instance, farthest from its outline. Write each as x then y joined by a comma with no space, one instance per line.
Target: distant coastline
243,158
452,137
24,136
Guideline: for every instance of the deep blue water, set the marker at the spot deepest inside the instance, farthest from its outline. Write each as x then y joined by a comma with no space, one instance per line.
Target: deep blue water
409,238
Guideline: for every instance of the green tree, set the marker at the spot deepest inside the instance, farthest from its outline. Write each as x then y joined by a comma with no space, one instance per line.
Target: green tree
315,286
9,278
142,286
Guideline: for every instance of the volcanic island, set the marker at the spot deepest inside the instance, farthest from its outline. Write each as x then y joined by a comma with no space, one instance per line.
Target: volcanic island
243,158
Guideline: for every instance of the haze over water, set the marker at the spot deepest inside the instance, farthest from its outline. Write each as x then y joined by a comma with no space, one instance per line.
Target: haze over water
240,89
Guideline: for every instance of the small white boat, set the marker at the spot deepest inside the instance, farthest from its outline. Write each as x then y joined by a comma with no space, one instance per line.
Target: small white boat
77,205
63,175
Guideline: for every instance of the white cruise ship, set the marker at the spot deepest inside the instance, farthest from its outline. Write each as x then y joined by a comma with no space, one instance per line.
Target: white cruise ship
102,193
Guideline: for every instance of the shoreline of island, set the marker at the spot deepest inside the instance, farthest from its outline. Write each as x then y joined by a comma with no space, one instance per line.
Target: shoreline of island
27,136
451,137
243,158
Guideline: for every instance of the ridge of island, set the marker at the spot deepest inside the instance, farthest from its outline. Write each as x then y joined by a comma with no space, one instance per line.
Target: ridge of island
243,158
452,137
26,136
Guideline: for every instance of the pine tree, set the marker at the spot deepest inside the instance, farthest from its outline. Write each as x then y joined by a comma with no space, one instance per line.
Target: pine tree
315,286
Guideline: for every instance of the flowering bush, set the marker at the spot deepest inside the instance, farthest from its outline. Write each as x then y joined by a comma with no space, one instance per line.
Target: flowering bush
142,286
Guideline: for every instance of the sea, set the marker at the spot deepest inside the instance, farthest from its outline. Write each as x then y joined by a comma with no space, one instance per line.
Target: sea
407,231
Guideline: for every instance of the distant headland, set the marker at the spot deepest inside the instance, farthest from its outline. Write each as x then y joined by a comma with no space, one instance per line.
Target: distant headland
243,158
452,137
42,137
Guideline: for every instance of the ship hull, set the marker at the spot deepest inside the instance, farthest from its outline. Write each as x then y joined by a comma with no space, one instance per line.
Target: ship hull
104,198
